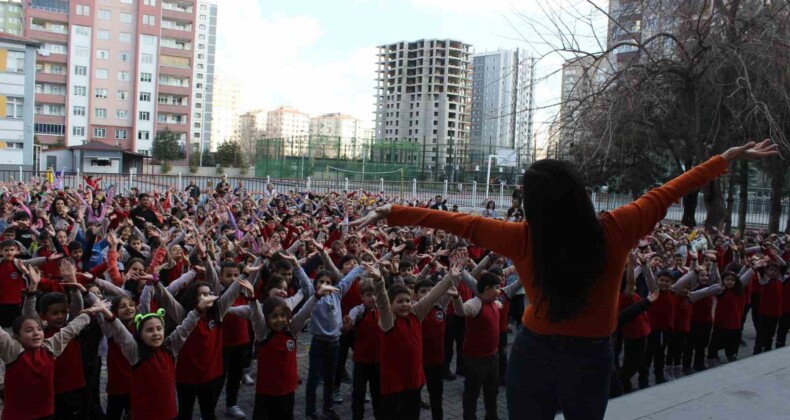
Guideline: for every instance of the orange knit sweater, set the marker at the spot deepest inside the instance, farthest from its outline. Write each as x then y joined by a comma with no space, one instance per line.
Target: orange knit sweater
623,227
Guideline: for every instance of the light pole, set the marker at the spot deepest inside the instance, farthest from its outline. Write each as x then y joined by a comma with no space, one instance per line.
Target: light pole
488,175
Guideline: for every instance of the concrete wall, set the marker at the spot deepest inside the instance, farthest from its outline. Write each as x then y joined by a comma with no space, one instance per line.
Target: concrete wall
231,172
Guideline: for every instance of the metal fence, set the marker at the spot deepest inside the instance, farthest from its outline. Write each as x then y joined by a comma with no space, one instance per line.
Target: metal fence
466,195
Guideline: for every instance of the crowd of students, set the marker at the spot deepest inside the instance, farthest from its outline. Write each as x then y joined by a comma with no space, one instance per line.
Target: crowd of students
177,292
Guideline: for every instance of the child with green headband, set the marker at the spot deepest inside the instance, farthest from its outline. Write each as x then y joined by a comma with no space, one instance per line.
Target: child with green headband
153,358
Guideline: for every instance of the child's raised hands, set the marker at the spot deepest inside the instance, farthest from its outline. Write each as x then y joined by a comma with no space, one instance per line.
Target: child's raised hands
326,289
205,302
246,287
452,292
35,278
653,296
100,307
373,271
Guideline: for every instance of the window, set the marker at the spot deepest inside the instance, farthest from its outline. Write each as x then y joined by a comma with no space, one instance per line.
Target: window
103,34
55,48
80,70
123,76
202,17
127,1
101,93
147,58
99,133
57,129
122,114
197,115
145,116
80,91
14,107
103,54
126,17
202,7
145,77
101,74
125,37
122,94
120,134
145,96
143,135
105,14
83,10
82,31
201,46
82,52
78,111
150,2
201,37
100,112
200,75
148,40
15,62
125,57
78,131
149,20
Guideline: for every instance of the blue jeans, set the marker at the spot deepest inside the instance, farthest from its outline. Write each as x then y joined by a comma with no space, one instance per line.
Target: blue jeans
547,374
323,359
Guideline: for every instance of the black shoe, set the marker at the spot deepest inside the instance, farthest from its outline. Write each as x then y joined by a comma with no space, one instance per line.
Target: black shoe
331,414
448,376
459,371
660,380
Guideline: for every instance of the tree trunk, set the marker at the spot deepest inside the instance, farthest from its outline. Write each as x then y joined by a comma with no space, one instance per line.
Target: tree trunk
730,203
714,203
777,186
689,209
743,195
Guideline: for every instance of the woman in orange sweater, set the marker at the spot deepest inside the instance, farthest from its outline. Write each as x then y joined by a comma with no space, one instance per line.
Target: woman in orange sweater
562,358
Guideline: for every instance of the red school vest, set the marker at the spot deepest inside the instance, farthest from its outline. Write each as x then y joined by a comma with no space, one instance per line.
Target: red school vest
503,313
351,299
30,386
482,332
235,329
119,371
771,298
200,360
277,365
11,284
702,310
662,312
640,326
153,393
401,356
68,366
367,340
729,310
433,327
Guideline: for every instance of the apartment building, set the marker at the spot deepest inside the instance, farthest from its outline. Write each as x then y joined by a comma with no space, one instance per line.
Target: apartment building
121,71
423,95
502,104
352,132
226,110
252,127
11,17
17,99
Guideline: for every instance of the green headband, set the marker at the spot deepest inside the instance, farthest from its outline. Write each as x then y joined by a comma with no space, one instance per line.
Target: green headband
139,318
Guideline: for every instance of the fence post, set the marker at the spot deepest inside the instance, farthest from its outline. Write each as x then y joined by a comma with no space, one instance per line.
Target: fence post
20,174
414,188
131,180
501,193
474,193
345,185
595,203
180,182
381,184
307,186
445,188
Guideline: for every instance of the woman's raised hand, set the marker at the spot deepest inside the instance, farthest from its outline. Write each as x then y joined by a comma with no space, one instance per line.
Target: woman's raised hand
765,149
373,217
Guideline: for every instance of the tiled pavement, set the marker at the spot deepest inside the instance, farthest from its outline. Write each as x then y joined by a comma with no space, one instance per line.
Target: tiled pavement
452,389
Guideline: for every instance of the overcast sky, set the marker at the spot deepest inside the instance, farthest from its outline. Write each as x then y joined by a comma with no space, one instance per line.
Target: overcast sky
320,55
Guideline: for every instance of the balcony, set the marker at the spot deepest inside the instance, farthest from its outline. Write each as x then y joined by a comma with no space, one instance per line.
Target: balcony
51,78
175,33
175,71
51,58
176,90
50,119
176,52
176,128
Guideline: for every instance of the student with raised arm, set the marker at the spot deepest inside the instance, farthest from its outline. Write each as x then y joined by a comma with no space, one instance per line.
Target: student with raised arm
401,347
572,285
153,358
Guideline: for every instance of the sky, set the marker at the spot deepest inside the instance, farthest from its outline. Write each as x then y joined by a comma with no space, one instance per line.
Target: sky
319,56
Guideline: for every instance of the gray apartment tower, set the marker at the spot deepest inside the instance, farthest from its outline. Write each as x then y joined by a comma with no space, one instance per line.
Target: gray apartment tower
423,95
502,105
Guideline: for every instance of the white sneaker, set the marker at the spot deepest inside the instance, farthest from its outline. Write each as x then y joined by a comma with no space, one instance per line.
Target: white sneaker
235,412
336,397
246,378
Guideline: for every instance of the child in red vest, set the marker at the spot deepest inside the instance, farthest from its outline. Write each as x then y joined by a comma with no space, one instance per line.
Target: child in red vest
153,359
401,346
364,319
30,359
635,332
12,283
730,303
433,327
661,314
481,343
275,335
770,309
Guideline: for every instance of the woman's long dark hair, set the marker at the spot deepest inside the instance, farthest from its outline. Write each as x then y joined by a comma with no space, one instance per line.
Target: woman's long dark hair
568,248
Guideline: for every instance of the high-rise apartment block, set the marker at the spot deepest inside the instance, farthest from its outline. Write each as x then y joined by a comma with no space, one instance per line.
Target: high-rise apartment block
17,99
351,133
423,95
502,104
252,127
121,71
226,109
11,17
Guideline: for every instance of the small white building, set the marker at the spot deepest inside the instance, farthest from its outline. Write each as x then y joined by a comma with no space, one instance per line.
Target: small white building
94,157
17,101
